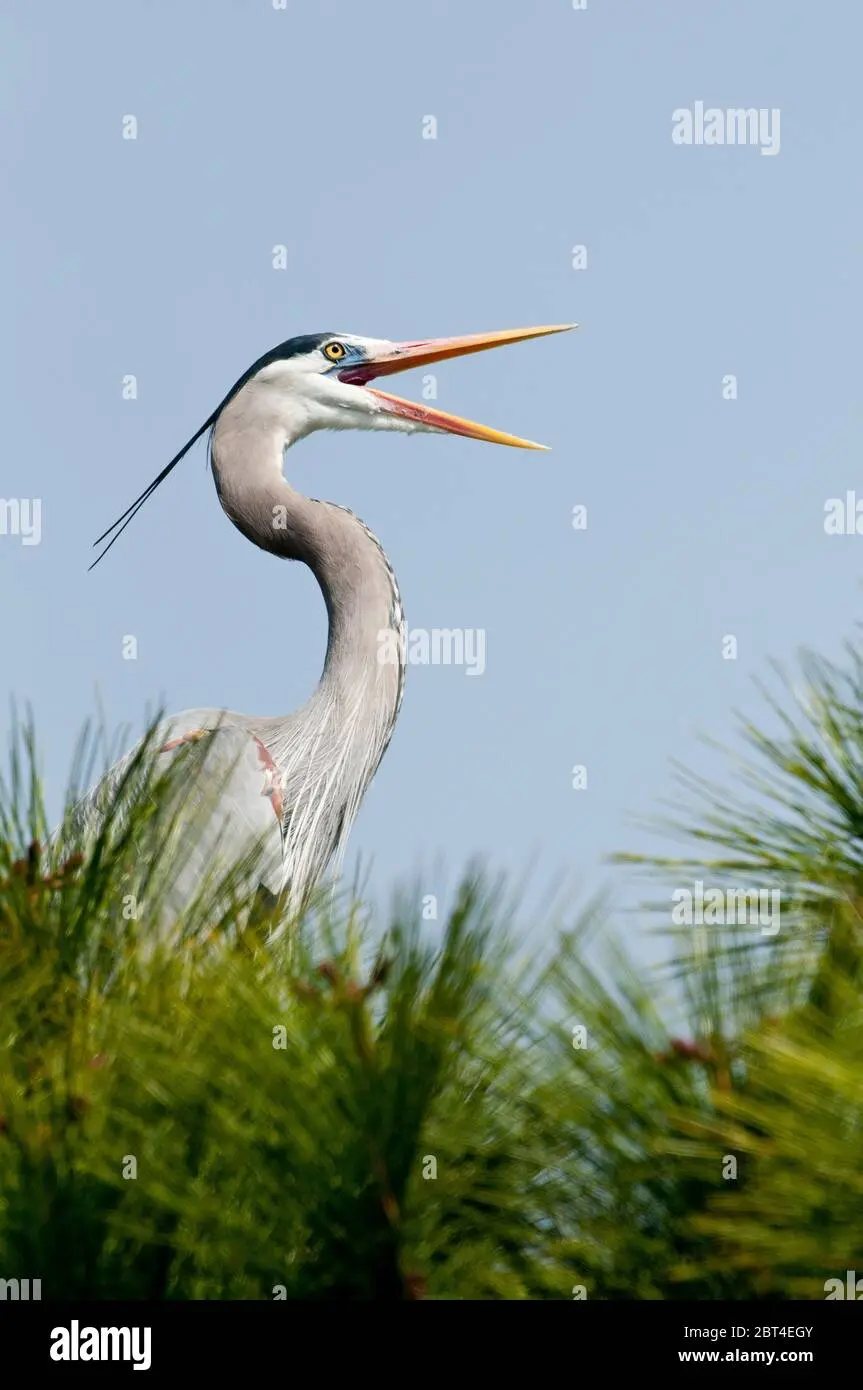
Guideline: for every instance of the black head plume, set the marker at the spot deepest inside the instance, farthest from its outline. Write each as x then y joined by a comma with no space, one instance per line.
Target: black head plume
292,347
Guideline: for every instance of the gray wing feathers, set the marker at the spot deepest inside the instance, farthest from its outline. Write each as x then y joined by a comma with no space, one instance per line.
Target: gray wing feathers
234,803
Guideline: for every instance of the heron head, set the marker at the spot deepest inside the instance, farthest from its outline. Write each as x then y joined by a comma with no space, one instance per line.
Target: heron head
320,381
323,382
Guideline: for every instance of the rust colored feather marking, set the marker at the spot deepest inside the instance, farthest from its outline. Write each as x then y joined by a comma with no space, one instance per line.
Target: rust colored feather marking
191,737
272,780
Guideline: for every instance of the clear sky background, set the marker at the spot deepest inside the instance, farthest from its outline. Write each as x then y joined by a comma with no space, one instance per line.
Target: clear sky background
304,127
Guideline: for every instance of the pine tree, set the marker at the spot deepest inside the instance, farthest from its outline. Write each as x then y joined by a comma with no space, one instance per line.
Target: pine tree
355,1109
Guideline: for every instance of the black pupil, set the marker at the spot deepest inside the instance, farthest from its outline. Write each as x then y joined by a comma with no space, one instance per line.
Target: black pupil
336,350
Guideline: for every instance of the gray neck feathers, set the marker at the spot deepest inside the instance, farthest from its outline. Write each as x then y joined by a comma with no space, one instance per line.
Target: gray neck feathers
328,750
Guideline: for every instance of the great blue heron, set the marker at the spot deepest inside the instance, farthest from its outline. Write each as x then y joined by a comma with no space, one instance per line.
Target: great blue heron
296,781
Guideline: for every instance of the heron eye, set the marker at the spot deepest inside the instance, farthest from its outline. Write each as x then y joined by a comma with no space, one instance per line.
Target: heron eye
335,351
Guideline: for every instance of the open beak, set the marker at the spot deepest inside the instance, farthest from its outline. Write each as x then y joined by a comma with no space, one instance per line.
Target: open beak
402,356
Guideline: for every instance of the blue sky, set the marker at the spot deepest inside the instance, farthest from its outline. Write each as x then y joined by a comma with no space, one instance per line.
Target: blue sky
303,127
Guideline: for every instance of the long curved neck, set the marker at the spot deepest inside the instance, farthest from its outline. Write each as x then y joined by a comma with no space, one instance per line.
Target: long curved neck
355,577
330,749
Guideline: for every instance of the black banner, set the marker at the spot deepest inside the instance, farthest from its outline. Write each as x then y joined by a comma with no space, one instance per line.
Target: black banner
807,1340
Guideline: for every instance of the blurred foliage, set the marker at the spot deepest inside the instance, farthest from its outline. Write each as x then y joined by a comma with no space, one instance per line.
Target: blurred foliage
352,1108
